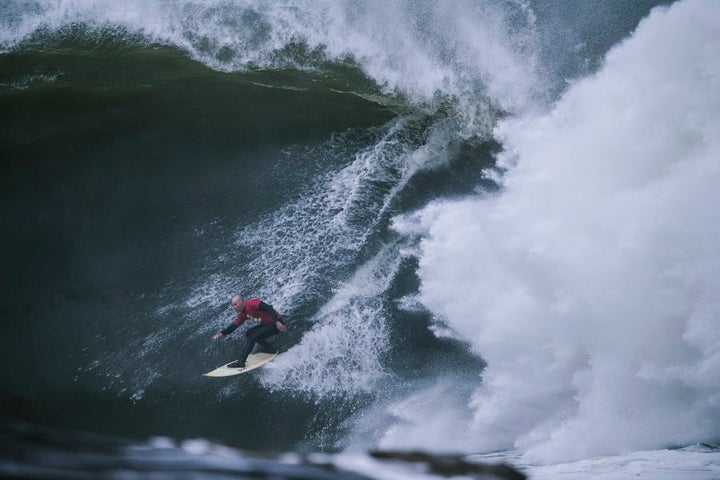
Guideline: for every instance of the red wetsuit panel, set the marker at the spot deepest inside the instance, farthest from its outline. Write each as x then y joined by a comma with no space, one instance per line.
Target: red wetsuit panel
252,309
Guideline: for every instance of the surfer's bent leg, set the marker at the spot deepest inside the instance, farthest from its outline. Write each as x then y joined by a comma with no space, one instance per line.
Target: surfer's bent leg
257,335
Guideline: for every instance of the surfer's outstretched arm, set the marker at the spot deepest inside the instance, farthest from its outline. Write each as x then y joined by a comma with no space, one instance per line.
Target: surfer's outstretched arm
230,328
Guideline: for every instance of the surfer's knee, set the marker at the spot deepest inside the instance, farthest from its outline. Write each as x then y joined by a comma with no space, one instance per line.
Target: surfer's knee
255,336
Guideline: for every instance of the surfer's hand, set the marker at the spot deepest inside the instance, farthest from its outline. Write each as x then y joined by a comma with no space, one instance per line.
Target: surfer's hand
280,326
217,335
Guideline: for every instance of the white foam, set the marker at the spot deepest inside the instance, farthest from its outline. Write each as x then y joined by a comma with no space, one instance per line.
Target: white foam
591,284
694,463
341,355
30,80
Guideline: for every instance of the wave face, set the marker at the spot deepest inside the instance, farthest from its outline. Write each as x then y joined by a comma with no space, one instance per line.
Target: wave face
589,285
487,229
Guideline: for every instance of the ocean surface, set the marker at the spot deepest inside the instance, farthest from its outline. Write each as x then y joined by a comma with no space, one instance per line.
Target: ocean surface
491,227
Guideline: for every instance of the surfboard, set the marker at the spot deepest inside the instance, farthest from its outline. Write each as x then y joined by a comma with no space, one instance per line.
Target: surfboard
256,360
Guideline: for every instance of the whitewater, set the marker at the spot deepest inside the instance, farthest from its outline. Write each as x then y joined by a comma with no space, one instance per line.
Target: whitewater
578,279
590,283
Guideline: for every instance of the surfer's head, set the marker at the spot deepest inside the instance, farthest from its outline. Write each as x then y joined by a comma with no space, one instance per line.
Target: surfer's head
238,302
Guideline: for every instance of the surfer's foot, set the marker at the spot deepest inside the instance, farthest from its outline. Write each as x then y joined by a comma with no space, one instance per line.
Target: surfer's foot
236,364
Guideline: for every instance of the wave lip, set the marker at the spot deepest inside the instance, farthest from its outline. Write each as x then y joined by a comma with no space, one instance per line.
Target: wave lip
485,56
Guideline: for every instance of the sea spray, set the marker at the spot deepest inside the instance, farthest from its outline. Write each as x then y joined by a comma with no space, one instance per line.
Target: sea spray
590,284
342,355
486,56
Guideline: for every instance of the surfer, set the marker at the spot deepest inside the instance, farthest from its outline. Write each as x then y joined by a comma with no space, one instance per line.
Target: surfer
270,324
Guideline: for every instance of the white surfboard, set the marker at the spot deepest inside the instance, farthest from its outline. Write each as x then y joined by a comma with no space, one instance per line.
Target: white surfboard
256,360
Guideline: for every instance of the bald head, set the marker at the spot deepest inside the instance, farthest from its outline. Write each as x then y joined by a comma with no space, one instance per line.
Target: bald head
238,302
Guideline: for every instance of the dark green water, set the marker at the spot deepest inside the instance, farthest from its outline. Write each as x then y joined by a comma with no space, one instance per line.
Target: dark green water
123,179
